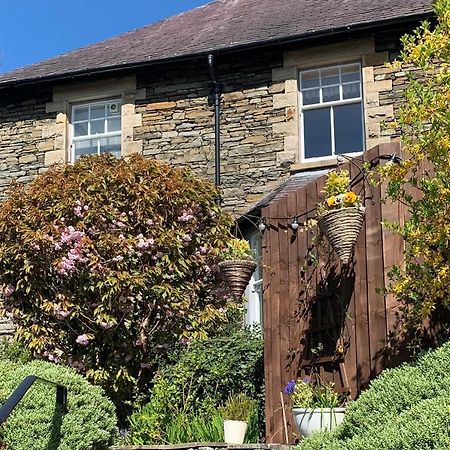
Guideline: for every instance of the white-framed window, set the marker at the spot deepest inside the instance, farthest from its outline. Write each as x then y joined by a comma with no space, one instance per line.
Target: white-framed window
253,293
96,128
331,111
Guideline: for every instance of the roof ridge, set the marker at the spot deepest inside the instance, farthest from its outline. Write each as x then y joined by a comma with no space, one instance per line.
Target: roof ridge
217,26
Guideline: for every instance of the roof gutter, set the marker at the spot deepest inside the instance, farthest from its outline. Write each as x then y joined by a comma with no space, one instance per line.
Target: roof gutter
304,38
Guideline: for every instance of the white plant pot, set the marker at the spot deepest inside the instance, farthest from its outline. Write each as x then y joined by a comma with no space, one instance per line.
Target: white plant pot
234,431
309,420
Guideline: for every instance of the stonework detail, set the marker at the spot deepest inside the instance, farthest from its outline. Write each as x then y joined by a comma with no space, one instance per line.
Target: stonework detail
178,124
167,113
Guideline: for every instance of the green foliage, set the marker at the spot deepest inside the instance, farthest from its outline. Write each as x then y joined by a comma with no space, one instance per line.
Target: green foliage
337,183
239,407
237,249
107,263
13,351
36,423
421,283
309,393
406,408
200,380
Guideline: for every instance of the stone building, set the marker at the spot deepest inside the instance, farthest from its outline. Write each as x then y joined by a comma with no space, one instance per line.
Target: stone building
299,82
154,86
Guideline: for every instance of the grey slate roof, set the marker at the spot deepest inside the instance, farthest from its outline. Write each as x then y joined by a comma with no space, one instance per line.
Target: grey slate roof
222,24
291,184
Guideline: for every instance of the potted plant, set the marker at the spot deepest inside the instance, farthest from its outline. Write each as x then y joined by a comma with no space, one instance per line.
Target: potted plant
236,413
316,406
237,266
341,217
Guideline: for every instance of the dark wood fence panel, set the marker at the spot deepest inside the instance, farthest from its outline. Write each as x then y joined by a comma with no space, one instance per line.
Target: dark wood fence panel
346,313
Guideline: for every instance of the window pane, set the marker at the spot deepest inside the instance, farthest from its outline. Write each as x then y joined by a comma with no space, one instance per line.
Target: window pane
80,129
331,94
317,132
86,147
348,128
80,114
111,145
310,79
97,126
97,111
330,76
311,96
350,73
113,124
352,90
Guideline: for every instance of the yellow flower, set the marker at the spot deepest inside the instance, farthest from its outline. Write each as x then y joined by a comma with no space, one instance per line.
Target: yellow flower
331,201
350,198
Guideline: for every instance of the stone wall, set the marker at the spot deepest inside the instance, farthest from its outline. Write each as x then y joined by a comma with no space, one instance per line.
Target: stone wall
22,143
178,123
168,114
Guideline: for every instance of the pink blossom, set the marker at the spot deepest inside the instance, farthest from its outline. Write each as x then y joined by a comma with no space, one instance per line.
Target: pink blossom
78,211
185,217
186,238
106,325
66,267
9,291
118,258
203,250
71,235
145,244
85,207
83,339
60,313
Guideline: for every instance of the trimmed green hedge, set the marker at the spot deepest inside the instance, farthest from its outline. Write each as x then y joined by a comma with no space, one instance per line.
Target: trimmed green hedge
36,423
406,408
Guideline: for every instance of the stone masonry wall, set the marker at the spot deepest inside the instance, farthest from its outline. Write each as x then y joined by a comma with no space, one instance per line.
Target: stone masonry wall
22,142
170,115
178,124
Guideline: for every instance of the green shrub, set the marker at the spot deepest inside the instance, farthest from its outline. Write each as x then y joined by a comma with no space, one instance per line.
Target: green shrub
238,407
107,263
37,424
406,408
199,381
12,350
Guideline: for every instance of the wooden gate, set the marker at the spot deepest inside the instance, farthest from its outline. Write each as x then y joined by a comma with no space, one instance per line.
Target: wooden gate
326,312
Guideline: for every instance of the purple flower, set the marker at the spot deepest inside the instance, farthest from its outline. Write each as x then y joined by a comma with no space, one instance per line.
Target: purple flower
78,211
82,340
9,291
290,387
307,379
106,325
185,217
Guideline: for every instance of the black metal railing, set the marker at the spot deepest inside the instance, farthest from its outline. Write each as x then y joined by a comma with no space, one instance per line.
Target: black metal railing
22,389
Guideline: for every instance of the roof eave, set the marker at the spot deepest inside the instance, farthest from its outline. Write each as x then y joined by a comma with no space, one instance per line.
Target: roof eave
307,37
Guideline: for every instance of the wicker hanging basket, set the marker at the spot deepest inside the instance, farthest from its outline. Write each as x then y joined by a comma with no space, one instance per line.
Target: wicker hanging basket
342,227
237,274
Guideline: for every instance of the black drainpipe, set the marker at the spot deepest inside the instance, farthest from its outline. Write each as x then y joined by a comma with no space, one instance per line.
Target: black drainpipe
216,91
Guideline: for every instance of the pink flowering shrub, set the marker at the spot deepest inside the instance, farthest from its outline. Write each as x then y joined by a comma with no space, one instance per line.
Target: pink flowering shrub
107,263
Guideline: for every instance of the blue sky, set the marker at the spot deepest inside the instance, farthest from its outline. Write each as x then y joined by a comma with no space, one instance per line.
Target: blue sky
34,30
